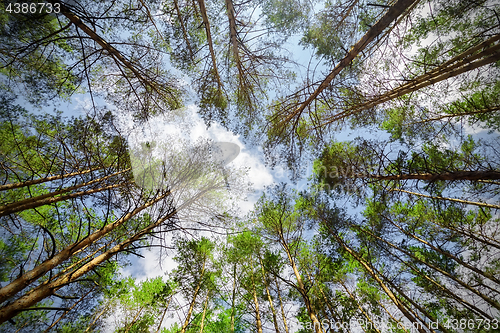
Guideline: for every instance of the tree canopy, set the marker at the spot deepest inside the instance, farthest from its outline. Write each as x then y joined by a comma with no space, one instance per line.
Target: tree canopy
383,116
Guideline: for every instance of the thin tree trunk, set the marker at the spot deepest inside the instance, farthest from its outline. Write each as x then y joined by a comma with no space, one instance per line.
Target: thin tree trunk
301,288
109,48
44,180
97,318
281,305
66,312
454,176
397,9
202,324
258,321
233,310
446,253
441,73
206,22
371,271
487,299
27,278
269,298
184,32
134,320
353,297
481,204
44,290
52,197
453,115
195,295
399,324
164,312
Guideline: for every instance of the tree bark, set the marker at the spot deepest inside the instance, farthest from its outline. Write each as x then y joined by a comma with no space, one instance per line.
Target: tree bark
193,302
44,180
397,9
281,305
27,278
164,312
443,72
269,298
258,321
375,276
206,22
44,290
481,204
301,288
51,197
184,32
453,176
202,324
67,311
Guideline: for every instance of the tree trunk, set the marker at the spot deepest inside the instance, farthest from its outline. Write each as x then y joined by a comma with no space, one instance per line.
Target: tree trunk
233,310
44,180
51,197
109,48
269,298
27,278
397,9
446,253
301,288
371,271
258,321
204,312
481,204
164,312
353,297
193,302
206,22
454,176
134,320
281,304
463,63
66,312
184,32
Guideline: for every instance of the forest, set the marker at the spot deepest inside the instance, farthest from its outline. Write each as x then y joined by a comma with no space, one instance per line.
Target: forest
377,122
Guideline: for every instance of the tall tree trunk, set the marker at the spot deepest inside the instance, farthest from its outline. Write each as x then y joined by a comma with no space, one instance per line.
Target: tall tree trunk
52,197
398,323
69,309
97,318
463,63
269,298
258,321
44,180
233,298
301,288
487,299
193,302
206,22
353,297
281,305
47,289
204,312
454,176
109,48
134,320
375,276
445,253
27,278
481,204
164,312
184,32
397,9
